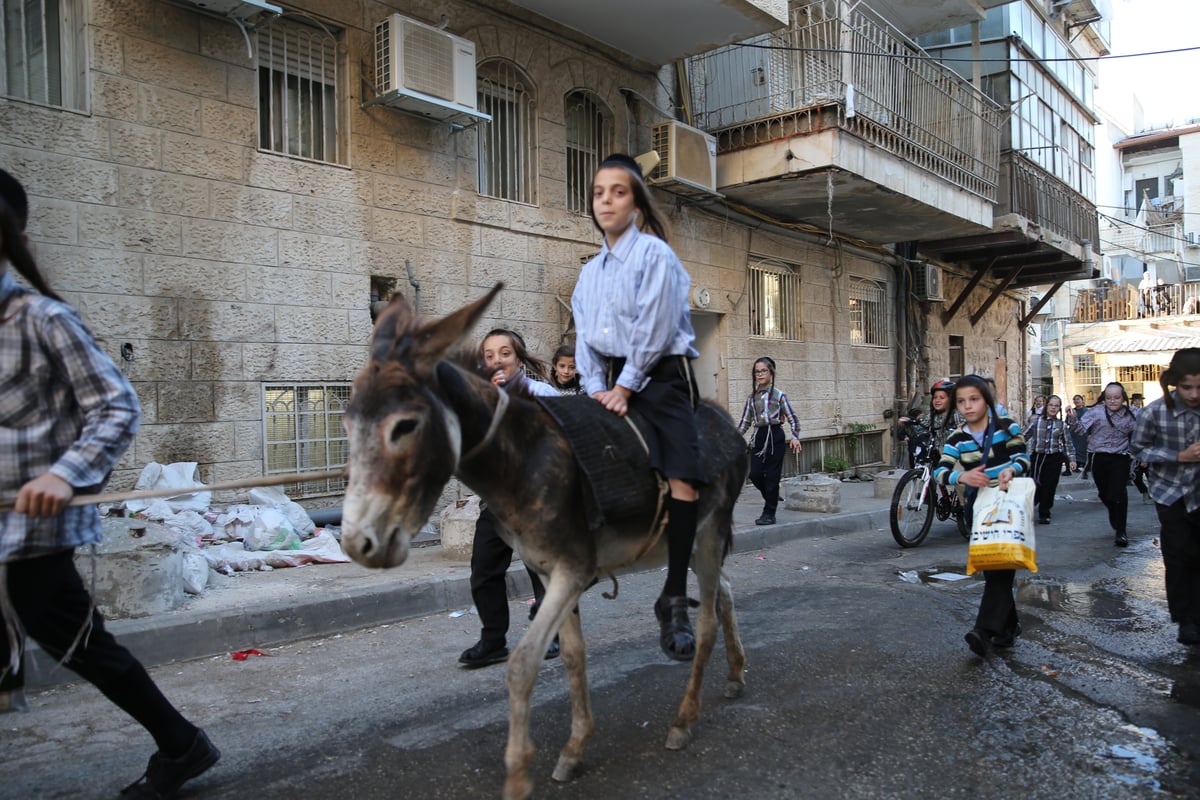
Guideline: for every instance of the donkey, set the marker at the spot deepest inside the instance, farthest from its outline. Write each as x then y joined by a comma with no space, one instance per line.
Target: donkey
415,419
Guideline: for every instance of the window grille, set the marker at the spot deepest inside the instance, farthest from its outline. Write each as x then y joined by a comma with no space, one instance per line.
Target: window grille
958,361
589,139
302,432
1141,373
775,300
1087,371
42,51
297,91
868,322
507,144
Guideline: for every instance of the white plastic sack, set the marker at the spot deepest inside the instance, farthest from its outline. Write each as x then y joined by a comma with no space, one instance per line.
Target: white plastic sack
274,497
232,557
180,475
236,522
271,531
195,571
189,524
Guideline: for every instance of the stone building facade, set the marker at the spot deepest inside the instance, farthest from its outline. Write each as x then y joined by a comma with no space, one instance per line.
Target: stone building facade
222,273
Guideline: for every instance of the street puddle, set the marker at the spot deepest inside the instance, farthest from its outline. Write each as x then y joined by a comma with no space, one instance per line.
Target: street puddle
1100,600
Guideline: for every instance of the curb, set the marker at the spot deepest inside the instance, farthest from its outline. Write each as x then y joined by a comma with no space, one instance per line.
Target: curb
188,635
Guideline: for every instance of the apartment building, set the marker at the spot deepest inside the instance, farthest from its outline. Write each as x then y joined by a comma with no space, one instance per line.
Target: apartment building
225,188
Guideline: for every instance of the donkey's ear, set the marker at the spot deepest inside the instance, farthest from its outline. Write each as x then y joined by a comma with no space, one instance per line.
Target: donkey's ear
392,324
432,339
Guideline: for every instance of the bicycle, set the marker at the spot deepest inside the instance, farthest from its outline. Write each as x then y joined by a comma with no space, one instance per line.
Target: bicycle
912,512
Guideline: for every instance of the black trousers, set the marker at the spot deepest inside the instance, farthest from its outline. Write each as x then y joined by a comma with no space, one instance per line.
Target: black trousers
48,596
490,560
1180,537
766,464
997,608
668,404
1111,473
1047,469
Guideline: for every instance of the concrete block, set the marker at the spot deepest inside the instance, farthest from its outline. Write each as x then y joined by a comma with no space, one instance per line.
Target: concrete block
458,529
139,569
226,241
205,158
885,482
812,493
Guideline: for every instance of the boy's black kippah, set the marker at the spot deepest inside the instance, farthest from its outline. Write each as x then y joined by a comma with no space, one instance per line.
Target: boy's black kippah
622,160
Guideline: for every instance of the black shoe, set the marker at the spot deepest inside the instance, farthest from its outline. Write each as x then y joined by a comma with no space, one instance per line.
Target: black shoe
164,776
765,519
676,636
1007,639
979,641
553,650
1121,539
1189,633
483,654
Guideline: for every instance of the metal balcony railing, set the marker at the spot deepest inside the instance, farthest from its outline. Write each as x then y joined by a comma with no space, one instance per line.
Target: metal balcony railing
1039,196
1108,303
841,63
1141,240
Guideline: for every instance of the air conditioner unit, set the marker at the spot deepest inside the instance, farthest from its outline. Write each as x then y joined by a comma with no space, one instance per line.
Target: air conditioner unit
425,71
689,159
241,9
927,282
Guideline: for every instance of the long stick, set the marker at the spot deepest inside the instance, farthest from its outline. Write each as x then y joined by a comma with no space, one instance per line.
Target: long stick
142,494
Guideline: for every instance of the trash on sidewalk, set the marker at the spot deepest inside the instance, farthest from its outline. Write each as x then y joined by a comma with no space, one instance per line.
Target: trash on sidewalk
909,576
948,576
242,655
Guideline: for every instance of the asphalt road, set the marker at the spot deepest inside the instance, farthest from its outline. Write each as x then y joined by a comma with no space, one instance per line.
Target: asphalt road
859,685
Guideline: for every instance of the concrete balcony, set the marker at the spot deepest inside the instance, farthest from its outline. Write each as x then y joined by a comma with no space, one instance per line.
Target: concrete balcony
658,32
1044,231
841,121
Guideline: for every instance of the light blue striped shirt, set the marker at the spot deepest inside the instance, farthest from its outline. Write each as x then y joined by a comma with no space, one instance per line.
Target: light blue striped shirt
631,302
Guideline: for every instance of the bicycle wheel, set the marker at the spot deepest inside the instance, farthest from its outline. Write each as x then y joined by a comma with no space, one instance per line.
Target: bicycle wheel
960,517
912,513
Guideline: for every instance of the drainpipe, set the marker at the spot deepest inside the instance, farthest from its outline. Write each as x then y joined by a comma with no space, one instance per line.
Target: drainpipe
412,281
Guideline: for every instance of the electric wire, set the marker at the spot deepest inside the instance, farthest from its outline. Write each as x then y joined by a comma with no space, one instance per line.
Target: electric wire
927,57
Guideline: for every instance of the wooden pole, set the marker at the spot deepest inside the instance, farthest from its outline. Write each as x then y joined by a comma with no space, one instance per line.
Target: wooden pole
144,494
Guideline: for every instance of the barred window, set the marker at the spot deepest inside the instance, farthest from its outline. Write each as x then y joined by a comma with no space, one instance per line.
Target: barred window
775,300
1087,371
507,144
868,320
297,91
302,432
1141,373
589,138
42,48
957,351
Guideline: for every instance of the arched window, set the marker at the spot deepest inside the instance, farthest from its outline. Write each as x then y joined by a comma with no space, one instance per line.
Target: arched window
507,144
589,138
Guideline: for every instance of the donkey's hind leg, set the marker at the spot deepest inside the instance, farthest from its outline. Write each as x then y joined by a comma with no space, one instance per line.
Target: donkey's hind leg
735,654
575,660
706,565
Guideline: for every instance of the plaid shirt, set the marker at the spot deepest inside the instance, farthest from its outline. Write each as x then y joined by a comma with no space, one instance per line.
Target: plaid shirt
1107,432
1157,440
1049,436
65,408
768,407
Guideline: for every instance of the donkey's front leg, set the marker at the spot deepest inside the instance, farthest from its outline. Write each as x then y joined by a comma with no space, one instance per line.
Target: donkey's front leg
575,660
523,665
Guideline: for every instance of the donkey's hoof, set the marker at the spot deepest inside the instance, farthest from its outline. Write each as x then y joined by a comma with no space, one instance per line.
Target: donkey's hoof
517,789
678,738
565,770
734,690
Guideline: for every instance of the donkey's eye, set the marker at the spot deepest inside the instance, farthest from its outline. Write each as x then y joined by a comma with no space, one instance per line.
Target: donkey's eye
401,428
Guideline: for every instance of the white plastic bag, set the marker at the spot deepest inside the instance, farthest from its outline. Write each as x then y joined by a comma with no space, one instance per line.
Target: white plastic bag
180,475
1002,528
189,524
272,531
274,497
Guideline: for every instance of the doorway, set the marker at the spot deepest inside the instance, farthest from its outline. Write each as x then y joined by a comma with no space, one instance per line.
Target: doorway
707,367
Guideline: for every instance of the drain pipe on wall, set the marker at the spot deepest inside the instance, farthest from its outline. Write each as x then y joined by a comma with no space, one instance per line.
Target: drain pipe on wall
413,282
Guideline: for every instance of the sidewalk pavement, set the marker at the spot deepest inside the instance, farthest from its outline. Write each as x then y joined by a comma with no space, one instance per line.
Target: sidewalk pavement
260,609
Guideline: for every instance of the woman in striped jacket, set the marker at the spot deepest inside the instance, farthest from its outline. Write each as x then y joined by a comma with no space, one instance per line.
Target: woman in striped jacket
1050,446
987,450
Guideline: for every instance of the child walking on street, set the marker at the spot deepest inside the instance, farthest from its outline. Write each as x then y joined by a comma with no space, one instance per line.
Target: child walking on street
1050,446
766,408
988,450
66,416
1108,426
633,348
1167,438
